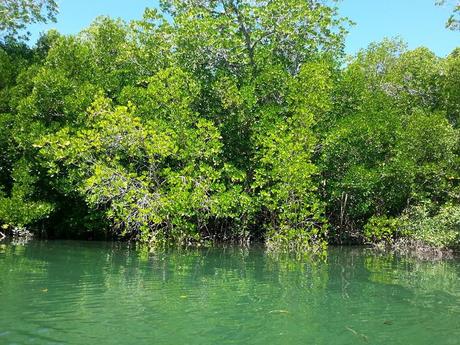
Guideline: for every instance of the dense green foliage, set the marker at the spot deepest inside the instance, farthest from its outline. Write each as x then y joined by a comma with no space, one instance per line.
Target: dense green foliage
234,120
395,141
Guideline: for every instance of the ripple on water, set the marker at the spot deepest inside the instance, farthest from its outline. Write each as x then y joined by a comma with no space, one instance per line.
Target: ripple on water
100,294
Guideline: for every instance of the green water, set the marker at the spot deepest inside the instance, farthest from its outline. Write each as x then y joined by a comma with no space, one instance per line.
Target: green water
105,293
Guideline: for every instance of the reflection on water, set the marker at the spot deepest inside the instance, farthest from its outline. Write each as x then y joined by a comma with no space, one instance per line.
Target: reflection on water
109,293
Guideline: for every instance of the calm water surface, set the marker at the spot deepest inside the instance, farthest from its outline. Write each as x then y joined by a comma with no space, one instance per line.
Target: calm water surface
105,293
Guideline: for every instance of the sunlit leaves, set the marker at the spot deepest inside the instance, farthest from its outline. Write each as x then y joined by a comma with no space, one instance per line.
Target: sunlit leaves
15,15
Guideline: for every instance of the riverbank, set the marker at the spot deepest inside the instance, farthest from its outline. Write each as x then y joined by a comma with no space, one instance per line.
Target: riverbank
406,246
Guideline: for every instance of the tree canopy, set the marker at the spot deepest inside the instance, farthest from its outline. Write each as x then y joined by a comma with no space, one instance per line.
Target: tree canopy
228,120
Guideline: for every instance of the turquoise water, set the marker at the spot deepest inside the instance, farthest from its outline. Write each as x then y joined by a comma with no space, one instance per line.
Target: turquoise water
108,293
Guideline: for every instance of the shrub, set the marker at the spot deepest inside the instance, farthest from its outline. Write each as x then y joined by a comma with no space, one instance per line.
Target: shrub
382,228
438,229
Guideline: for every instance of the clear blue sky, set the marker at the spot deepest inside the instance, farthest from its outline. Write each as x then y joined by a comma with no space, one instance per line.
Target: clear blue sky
418,22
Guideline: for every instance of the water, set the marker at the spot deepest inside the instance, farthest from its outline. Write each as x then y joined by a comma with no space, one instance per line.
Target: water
107,293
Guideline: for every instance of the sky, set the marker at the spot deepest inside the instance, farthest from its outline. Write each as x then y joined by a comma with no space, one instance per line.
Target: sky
418,22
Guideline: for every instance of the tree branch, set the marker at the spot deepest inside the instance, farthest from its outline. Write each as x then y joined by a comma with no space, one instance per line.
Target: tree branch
244,31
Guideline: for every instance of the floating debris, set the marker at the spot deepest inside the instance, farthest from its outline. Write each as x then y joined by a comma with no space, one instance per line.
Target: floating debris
278,311
360,335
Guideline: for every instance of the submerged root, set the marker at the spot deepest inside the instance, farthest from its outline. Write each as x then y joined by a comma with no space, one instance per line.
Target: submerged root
416,249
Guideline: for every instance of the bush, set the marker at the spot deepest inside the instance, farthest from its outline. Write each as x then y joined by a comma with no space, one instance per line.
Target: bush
382,228
439,229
